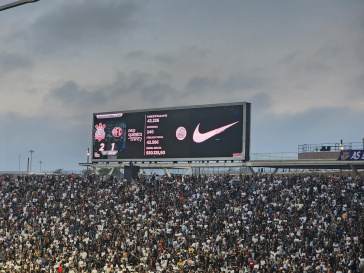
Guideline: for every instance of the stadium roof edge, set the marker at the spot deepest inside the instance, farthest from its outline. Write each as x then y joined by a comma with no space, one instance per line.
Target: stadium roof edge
280,164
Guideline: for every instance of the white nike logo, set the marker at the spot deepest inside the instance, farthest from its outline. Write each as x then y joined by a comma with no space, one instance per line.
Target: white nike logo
198,137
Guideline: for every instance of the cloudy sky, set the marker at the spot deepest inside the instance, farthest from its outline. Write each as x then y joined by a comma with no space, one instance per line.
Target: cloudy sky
300,64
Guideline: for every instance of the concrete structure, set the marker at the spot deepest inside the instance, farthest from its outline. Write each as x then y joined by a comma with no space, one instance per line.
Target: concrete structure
319,155
310,164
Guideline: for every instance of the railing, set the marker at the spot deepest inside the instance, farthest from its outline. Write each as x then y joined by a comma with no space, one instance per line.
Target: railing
274,156
330,147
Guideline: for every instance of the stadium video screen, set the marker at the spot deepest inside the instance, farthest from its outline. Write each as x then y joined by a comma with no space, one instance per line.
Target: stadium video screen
196,132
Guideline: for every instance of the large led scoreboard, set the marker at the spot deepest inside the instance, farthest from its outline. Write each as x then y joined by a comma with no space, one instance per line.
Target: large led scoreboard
191,133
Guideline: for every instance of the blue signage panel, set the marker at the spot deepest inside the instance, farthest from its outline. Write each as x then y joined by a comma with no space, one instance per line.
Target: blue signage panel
351,155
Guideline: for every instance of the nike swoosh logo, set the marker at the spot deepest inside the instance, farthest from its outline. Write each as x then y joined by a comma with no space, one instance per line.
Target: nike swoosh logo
201,137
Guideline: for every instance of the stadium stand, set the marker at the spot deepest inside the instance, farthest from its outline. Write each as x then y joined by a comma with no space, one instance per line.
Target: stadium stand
219,223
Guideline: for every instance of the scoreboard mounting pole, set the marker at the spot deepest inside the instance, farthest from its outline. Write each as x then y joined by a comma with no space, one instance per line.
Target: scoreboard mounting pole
16,3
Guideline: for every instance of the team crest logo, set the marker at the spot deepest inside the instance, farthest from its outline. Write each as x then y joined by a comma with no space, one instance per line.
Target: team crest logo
117,132
345,155
100,131
181,133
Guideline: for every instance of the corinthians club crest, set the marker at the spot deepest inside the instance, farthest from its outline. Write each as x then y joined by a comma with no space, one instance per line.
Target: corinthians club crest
100,131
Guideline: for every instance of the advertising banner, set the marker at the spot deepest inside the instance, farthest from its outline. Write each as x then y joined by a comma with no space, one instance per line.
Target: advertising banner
211,131
351,155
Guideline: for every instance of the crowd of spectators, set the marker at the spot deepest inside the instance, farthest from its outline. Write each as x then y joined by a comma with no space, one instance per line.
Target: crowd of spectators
208,223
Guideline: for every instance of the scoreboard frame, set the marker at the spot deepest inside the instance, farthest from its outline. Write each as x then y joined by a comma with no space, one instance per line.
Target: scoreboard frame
243,139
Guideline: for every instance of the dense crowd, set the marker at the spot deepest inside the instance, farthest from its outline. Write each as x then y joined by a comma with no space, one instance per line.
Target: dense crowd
220,223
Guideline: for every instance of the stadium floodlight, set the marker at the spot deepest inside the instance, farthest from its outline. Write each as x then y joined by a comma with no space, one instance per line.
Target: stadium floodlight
31,159
16,3
88,157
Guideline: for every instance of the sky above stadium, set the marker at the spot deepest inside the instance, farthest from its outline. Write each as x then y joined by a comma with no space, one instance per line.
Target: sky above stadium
300,64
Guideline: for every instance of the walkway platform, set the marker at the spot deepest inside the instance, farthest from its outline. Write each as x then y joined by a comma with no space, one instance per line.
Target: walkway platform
314,164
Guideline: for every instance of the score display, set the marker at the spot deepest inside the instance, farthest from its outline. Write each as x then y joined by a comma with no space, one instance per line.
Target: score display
185,133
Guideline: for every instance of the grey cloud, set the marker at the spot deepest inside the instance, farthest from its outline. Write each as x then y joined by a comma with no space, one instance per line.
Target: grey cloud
357,91
71,95
163,76
129,84
164,59
296,62
243,82
126,91
201,84
193,52
316,125
330,50
358,46
229,86
136,54
12,62
190,54
308,121
144,57
157,93
144,86
261,102
331,55
56,142
289,58
360,83
83,22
